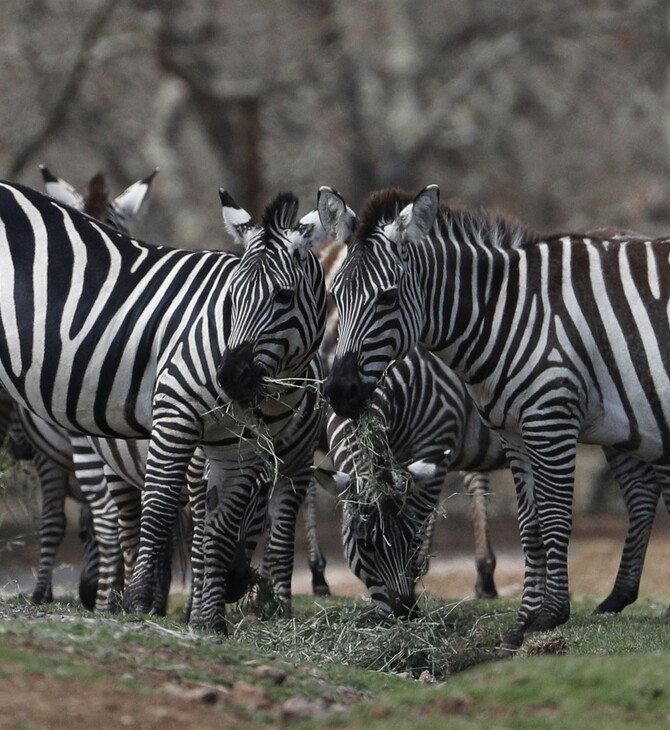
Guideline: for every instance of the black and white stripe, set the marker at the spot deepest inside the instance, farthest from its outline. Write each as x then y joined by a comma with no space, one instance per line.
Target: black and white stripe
136,342
49,445
557,341
392,465
424,412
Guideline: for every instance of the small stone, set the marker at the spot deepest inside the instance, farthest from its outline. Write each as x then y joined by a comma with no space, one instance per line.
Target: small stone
298,708
249,696
275,674
426,677
206,695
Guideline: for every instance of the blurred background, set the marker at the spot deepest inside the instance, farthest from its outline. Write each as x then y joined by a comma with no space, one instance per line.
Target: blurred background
556,113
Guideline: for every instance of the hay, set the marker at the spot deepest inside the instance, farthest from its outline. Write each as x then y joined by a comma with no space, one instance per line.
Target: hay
380,484
440,641
252,429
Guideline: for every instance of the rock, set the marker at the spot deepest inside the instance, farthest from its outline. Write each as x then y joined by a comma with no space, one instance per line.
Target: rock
275,674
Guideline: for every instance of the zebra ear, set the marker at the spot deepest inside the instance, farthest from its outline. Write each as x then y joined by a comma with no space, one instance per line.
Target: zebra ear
414,221
239,224
307,234
334,482
337,218
426,468
60,190
129,202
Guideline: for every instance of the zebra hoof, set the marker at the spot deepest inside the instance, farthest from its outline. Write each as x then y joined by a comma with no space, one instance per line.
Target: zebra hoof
614,603
41,595
137,600
320,587
88,590
486,588
512,642
546,620
216,624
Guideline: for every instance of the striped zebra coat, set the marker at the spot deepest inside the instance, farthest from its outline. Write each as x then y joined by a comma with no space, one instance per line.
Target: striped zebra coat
557,341
123,466
430,427
50,447
391,469
109,336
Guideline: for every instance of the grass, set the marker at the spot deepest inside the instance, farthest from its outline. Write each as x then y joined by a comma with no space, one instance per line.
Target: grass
595,671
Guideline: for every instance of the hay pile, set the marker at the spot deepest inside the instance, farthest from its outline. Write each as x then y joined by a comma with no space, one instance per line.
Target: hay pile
444,639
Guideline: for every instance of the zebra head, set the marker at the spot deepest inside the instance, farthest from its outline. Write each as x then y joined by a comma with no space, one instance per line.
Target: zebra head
96,203
385,518
275,309
379,297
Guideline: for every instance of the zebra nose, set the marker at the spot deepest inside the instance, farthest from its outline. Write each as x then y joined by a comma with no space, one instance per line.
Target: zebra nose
238,374
404,606
345,391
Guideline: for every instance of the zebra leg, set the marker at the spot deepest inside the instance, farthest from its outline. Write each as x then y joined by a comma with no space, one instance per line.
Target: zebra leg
236,507
425,551
54,482
477,486
288,495
90,475
127,499
172,445
90,573
552,455
531,542
196,498
163,578
315,555
640,490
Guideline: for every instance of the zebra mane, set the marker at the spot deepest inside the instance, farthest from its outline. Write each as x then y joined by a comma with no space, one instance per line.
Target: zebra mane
497,231
493,231
96,201
280,213
381,208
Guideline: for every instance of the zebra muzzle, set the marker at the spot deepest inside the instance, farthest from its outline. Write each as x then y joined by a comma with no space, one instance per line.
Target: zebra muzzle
238,373
345,390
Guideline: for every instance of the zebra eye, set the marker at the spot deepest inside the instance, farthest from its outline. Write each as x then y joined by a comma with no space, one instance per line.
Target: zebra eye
284,296
388,298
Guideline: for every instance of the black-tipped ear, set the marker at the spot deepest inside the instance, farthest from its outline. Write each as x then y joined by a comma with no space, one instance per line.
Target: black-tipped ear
130,201
60,190
239,224
307,234
47,175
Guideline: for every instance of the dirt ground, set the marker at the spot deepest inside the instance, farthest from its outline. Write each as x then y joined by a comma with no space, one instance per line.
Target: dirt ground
32,700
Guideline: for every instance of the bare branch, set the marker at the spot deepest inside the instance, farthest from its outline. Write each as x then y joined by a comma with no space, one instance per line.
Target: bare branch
58,114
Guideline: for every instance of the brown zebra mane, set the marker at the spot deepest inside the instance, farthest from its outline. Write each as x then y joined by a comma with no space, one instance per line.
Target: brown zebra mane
496,230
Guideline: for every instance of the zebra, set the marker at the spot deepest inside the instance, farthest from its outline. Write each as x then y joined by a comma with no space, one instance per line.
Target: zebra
421,421
50,447
124,460
50,450
444,430
144,341
557,341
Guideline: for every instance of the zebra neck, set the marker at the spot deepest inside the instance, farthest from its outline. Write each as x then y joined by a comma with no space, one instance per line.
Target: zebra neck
464,283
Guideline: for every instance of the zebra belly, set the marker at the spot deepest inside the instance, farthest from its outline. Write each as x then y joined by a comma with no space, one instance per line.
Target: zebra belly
86,416
615,429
